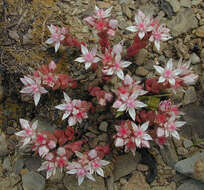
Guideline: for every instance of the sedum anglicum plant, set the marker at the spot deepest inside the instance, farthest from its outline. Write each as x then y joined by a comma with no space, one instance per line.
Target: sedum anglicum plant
149,115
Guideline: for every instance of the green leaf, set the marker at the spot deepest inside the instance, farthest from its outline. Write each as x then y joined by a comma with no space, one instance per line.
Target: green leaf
118,114
153,102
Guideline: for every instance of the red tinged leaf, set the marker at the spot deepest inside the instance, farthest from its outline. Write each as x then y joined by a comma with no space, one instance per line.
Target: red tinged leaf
69,132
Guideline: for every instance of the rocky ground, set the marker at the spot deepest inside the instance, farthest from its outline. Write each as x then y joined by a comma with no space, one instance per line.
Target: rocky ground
23,30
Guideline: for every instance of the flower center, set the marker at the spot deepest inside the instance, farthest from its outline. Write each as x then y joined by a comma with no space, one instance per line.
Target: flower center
81,172
139,133
56,37
88,57
130,103
172,127
167,73
117,66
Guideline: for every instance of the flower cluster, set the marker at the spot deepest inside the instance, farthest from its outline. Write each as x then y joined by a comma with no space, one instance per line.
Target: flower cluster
144,25
132,136
45,143
103,25
176,75
102,96
75,110
153,114
61,35
112,63
45,76
127,96
87,164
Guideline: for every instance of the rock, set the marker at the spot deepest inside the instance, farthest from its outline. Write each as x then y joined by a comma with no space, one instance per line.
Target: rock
194,116
103,126
14,35
7,164
3,146
137,181
141,71
27,39
18,166
90,135
33,181
200,31
187,143
191,185
175,5
187,166
182,151
194,58
110,183
141,57
180,24
123,181
70,182
32,163
190,96
169,155
196,2
58,177
172,186
125,164
186,3
142,167
44,125
199,170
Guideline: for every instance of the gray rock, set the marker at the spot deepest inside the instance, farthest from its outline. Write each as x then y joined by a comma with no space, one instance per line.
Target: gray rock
32,163
175,5
14,35
196,2
70,182
33,181
103,126
191,185
186,3
125,164
3,146
190,96
7,164
18,166
187,143
186,166
169,155
44,125
137,180
194,58
183,22
194,117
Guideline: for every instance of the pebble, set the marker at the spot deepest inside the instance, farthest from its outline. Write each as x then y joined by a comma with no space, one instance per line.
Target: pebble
123,181
70,182
32,163
200,31
187,143
141,71
14,35
137,181
3,146
182,151
191,184
7,164
18,166
194,58
190,96
33,180
186,3
103,126
125,164
175,5
180,24
141,57
142,167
